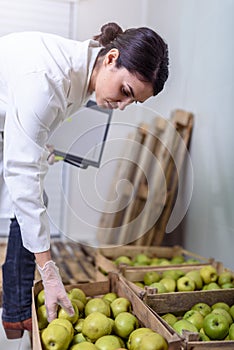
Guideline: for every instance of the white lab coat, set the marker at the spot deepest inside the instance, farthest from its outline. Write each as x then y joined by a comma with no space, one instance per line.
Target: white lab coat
43,80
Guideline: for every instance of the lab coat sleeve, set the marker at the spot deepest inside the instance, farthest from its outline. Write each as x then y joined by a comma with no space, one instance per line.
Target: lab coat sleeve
35,104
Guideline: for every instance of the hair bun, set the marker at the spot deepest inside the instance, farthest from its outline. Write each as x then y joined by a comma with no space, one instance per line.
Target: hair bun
109,32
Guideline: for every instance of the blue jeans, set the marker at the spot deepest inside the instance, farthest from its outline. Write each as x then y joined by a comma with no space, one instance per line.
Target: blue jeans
18,276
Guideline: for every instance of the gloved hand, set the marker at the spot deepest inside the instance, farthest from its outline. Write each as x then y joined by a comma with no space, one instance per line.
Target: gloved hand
55,293
51,158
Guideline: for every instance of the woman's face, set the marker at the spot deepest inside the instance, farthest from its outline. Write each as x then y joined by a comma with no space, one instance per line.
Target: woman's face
116,87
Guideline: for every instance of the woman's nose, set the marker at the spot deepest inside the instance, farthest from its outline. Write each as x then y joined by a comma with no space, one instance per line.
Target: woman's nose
123,104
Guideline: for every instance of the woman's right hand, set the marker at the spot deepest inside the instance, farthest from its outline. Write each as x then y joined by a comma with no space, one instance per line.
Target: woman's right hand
55,293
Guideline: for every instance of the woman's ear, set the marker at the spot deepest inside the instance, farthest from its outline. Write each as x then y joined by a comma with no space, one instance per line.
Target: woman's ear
111,57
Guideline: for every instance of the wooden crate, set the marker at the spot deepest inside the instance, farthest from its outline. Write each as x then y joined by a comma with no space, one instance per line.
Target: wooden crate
163,302
104,257
184,302
116,284
178,302
155,184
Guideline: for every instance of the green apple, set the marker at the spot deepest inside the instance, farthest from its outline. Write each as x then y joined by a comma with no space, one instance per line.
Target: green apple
63,314
196,277
142,259
208,274
212,286
139,284
164,262
109,297
225,277
55,337
112,322
175,274
177,260
169,283
77,293
153,341
78,338
231,311
222,305
136,336
85,345
231,332
151,277
110,342
96,325
122,259
42,317
216,326
97,304
227,285
124,324
195,317
40,299
203,336
183,324
78,303
169,318
65,323
203,308
185,284
120,304
154,261
160,287
78,325
221,311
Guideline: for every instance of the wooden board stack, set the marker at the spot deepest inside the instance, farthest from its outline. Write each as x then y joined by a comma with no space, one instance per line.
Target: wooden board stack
153,174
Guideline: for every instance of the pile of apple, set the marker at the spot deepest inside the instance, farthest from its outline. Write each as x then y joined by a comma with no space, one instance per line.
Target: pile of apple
215,322
100,323
142,259
205,278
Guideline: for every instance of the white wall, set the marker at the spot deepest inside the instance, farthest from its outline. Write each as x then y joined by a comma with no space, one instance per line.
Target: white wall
200,37
92,14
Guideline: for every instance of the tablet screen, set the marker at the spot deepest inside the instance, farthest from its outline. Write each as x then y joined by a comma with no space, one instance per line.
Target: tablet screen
80,139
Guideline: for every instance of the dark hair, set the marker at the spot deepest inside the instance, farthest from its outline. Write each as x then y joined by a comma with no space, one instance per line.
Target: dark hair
142,52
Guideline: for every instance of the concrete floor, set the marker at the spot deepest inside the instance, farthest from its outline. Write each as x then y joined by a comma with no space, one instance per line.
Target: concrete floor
18,344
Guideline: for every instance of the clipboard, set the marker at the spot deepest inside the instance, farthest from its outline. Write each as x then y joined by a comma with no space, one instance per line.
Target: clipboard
81,138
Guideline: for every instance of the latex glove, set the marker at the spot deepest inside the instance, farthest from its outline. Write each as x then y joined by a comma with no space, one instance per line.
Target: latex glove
51,158
55,293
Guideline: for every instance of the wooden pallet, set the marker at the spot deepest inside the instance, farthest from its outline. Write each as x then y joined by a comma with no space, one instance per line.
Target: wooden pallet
74,264
155,184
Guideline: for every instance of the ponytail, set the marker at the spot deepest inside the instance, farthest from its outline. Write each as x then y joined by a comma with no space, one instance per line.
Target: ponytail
109,32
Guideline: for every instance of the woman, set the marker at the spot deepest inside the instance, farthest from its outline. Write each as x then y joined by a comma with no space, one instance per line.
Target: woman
43,80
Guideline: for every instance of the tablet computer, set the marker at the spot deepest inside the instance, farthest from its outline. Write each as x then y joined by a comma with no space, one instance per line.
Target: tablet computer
81,138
